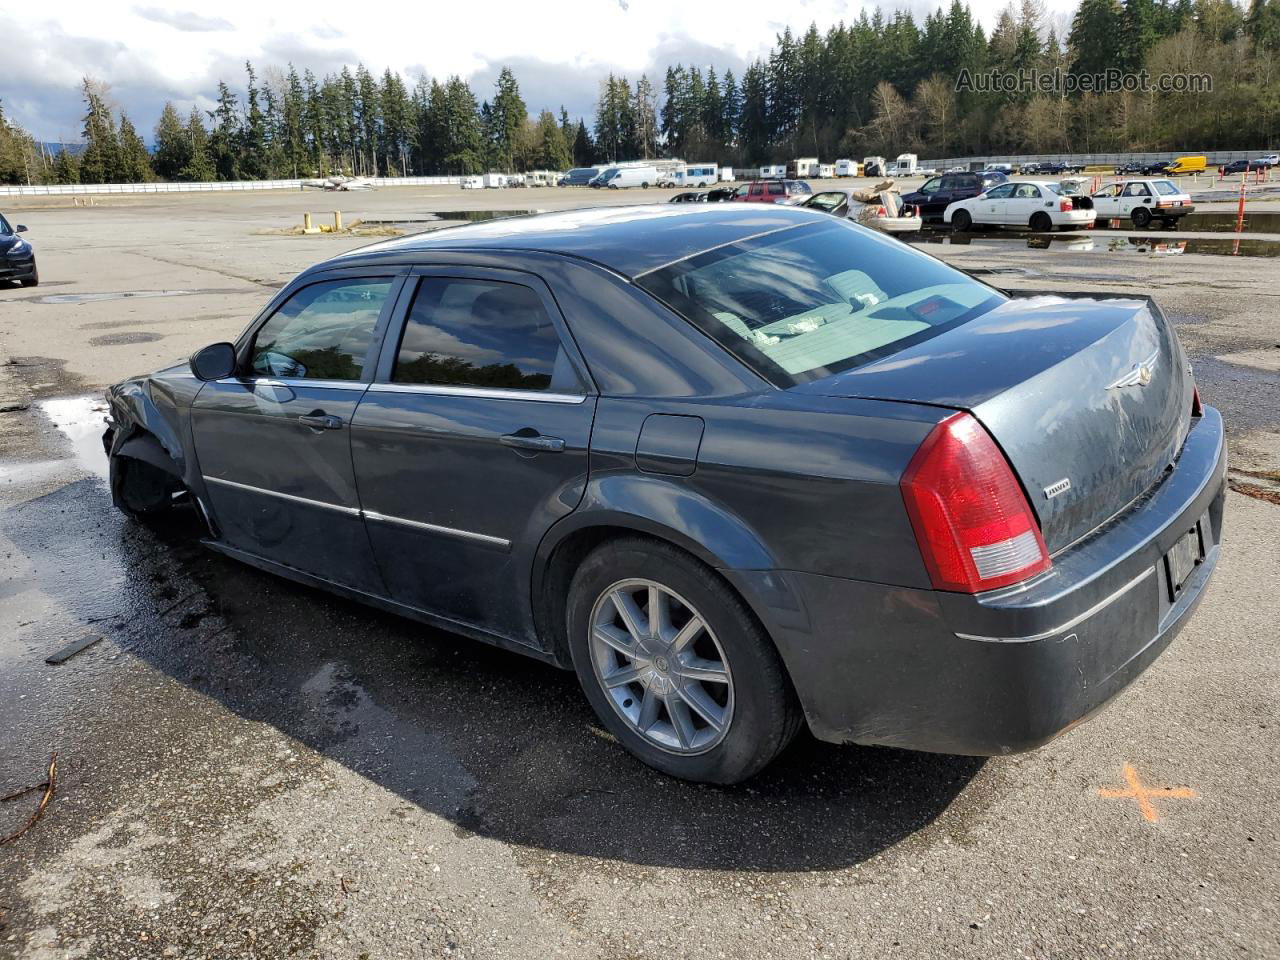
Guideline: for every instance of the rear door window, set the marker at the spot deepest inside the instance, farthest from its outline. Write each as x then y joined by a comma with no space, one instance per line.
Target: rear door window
481,333
777,190
322,332
1165,188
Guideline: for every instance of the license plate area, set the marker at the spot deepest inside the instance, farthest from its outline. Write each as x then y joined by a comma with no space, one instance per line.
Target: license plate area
1182,559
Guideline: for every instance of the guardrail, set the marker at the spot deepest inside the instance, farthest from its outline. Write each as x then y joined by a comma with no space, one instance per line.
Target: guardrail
83,189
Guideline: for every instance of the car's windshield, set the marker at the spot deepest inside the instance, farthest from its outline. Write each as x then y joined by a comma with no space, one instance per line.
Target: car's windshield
801,304
5,229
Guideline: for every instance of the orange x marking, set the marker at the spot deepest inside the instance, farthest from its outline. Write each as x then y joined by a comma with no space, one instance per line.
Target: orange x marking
1144,794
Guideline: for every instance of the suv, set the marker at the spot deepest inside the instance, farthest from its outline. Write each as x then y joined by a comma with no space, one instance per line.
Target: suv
578,177
938,193
761,191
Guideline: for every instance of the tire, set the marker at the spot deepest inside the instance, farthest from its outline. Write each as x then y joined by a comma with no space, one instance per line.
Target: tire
1041,222
961,221
144,493
644,185
33,280
756,707
1141,217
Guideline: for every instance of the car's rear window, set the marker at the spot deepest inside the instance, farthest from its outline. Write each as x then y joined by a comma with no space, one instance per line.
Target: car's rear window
1165,187
804,303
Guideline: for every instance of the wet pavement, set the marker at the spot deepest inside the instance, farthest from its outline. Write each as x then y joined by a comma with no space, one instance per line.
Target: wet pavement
251,768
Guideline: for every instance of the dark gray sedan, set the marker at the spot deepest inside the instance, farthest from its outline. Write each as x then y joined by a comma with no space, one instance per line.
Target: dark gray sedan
742,467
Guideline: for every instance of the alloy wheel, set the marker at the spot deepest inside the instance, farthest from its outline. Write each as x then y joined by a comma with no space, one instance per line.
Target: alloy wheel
661,667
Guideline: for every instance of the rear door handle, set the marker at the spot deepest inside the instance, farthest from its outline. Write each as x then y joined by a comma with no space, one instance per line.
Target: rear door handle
321,421
532,441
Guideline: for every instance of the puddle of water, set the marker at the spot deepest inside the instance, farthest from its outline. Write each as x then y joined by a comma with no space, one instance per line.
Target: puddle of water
1214,222
466,216
120,295
1144,246
81,420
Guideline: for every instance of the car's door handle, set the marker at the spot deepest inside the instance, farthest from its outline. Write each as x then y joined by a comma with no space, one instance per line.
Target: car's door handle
532,440
321,421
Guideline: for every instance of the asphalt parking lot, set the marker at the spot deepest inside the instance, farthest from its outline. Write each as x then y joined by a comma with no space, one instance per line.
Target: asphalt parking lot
249,768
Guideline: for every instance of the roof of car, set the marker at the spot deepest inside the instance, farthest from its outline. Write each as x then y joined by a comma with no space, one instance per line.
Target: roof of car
630,240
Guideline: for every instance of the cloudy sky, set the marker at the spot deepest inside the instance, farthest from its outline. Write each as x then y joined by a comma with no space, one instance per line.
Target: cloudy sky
150,53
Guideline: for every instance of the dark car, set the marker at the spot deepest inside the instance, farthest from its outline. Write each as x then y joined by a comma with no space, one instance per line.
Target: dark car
937,193
1158,168
1241,166
578,177
1133,168
1054,168
17,258
690,197
720,194
741,468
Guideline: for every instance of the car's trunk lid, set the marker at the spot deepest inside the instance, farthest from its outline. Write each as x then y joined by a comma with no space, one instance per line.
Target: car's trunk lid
1089,398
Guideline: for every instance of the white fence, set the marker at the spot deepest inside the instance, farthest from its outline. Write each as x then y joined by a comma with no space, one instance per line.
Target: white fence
81,189
1213,158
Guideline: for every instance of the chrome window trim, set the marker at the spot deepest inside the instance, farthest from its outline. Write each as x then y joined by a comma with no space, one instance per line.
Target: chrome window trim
487,393
292,498
292,382
435,528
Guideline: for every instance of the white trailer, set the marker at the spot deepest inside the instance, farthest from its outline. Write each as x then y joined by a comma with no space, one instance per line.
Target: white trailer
495,181
907,164
874,167
697,175
775,171
473,183
803,167
847,168
726,175
826,171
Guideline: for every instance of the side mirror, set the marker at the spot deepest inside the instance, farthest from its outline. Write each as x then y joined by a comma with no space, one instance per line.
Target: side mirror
20,228
214,362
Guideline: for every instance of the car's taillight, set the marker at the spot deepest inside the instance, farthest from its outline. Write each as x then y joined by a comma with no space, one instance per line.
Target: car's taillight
972,521
1065,206
1196,409
881,212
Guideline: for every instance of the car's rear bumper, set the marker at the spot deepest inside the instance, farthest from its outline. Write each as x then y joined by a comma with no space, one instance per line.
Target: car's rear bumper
1008,670
1170,212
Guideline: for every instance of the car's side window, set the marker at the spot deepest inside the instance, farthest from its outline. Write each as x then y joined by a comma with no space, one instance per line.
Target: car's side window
931,186
1136,190
1108,191
776,190
322,332
1027,191
481,333
1000,192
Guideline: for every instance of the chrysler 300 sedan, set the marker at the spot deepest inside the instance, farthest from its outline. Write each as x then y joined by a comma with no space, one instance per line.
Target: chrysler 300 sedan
740,466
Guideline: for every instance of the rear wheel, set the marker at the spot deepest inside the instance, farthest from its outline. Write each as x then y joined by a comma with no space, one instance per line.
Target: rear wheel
1041,222
1141,217
961,220
675,665
644,185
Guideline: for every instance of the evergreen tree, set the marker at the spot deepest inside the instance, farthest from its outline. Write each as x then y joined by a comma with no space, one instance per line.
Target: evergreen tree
251,141
133,161
100,159
200,167
509,113
173,148
552,151
584,150
66,167
224,141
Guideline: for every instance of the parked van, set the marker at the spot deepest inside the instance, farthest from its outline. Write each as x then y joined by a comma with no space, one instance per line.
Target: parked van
906,165
802,167
775,171
698,175
619,178
847,168
874,167
1193,164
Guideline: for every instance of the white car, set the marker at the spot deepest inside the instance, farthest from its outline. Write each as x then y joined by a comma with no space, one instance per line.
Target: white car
1141,201
1039,204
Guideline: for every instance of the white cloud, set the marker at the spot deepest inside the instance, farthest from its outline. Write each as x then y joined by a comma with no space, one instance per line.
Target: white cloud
151,53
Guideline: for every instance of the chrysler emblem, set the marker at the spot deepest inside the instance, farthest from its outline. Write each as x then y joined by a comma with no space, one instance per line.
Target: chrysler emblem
1139,375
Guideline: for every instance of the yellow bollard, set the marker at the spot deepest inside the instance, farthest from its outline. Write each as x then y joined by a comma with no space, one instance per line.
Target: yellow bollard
306,221
337,221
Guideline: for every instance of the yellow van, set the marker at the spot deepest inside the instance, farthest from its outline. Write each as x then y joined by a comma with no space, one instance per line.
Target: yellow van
1187,165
